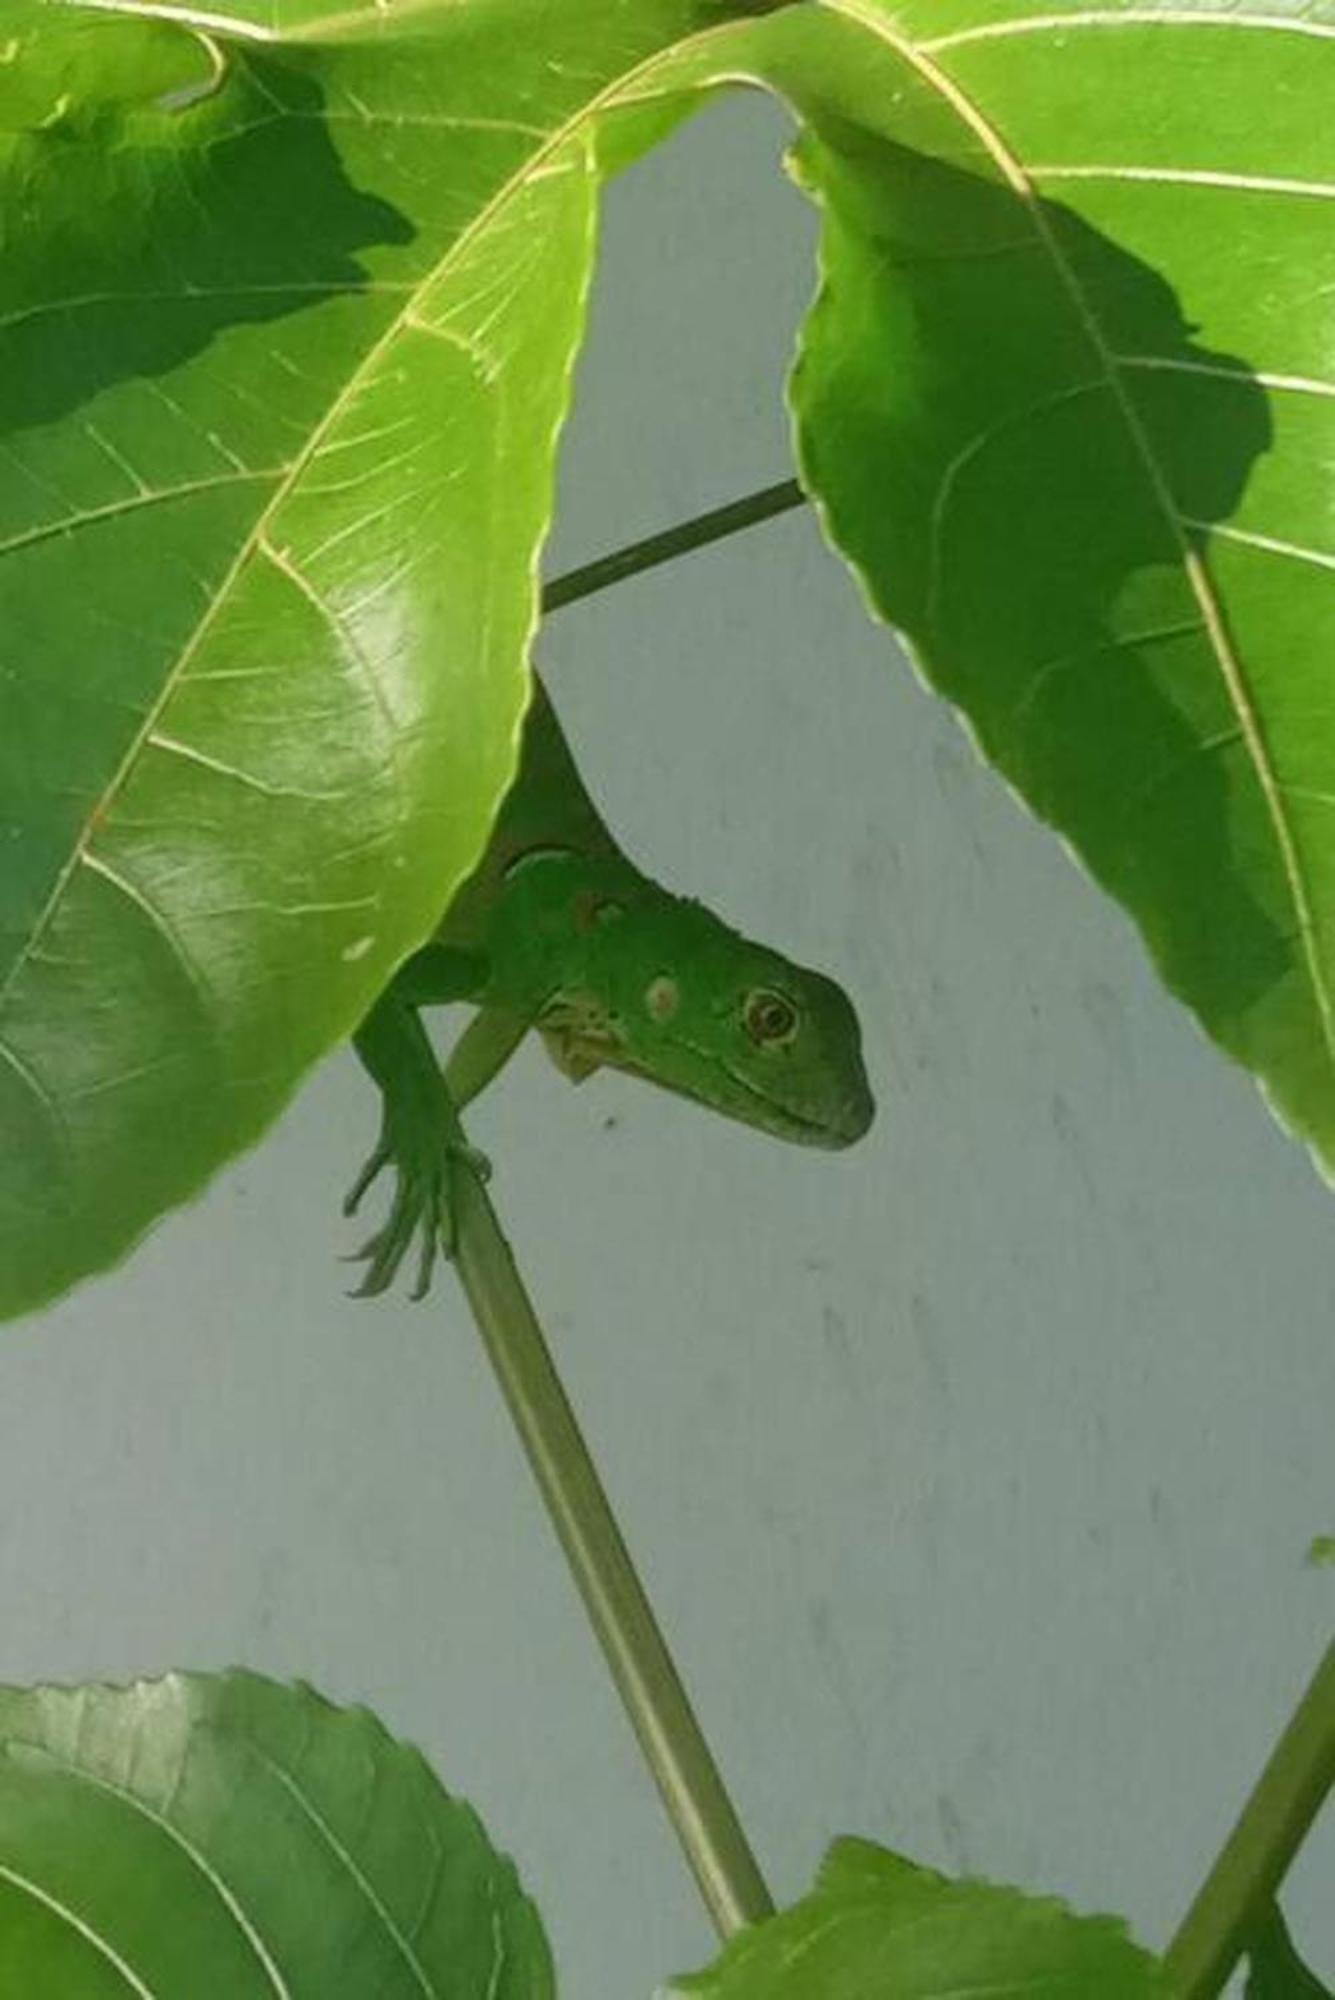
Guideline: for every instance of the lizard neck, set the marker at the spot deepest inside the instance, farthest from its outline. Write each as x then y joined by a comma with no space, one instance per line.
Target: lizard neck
545,810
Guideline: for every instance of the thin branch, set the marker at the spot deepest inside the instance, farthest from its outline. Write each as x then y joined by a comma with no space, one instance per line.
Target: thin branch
669,1735
651,1690
1239,1889
672,542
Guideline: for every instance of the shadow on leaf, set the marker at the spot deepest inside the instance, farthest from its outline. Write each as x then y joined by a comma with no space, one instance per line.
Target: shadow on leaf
136,230
1024,449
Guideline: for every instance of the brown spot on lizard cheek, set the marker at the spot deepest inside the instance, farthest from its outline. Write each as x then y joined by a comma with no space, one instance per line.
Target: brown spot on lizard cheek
662,997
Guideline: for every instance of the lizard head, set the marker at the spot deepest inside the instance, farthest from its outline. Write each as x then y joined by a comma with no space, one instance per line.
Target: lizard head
661,988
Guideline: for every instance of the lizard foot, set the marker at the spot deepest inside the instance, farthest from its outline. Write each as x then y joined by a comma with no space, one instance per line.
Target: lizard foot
425,1161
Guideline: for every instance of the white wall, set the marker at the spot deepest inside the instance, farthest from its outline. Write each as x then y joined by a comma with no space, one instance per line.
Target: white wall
971,1471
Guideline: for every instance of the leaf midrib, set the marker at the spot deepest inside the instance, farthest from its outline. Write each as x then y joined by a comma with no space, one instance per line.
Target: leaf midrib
1017,25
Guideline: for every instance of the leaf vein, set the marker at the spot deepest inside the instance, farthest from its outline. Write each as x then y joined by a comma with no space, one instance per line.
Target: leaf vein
1207,177
85,1930
197,17
348,1861
199,1861
1304,385
1137,797
202,294
343,636
131,504
1138,17
972,449
50,1105
498,1951
432,121
1271,544
1309,795
1095,649
487,365
173,747
159,924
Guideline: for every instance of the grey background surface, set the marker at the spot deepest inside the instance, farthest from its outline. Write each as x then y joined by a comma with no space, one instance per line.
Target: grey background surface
972,1471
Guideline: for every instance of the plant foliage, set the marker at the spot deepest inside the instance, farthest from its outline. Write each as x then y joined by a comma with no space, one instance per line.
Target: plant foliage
218,1837
293,293
875,1923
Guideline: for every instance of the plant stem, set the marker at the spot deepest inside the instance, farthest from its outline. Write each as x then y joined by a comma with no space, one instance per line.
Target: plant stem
647,1681
1270,1829
657,1704
672,542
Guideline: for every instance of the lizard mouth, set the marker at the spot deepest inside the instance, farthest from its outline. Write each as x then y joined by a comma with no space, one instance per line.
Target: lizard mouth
579,1052
848,1121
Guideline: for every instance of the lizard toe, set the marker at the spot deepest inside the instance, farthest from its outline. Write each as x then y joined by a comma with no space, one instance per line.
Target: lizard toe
371,1171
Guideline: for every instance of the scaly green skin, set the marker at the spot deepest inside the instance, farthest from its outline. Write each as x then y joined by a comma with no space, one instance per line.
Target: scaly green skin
557,932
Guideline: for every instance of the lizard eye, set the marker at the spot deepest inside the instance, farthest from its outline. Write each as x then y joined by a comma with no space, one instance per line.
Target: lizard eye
770,1019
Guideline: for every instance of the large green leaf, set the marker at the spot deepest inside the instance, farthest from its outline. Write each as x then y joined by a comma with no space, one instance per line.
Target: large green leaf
289,314
220,1837
1066,399
876,1924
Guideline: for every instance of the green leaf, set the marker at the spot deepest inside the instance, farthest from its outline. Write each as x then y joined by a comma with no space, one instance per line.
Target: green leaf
877,1924
213,1837
1066,401
291,299
1275,1971
290,308
1321,1552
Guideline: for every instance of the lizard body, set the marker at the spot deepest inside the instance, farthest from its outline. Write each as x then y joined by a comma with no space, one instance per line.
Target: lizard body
557,932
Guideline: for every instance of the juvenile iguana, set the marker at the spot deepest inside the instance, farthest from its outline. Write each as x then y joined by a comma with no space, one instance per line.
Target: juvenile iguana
557,931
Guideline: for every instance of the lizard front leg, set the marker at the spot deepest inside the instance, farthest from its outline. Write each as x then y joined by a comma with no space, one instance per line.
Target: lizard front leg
421,1137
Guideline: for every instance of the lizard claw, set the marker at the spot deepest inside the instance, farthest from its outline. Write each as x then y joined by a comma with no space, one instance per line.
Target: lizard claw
423,1203
371,1171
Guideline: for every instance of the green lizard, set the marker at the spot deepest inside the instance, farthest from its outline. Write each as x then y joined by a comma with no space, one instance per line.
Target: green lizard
557,931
